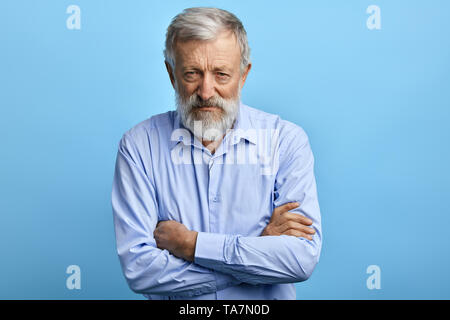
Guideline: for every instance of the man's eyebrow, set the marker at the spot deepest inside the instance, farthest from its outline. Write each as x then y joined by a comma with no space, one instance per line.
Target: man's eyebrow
190,67
218,68
223,67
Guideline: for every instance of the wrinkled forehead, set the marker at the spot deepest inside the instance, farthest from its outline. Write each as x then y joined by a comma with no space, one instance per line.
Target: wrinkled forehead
224,49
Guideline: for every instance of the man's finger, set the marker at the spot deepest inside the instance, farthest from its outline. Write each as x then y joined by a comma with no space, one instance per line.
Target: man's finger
296,226
296,233
288,216
161,222
284,208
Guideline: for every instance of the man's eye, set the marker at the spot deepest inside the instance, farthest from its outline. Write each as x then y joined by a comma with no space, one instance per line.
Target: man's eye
190,74
222,75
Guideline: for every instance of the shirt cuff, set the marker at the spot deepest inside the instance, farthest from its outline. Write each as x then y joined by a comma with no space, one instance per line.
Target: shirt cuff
209,247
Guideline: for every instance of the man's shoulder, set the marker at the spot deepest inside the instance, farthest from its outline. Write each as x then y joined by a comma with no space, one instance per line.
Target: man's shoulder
162,121
260,119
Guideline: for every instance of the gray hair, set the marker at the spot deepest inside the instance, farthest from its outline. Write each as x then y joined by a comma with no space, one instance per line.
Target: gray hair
205,24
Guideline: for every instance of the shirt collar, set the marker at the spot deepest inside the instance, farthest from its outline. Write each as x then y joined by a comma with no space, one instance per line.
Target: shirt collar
240,130
243,128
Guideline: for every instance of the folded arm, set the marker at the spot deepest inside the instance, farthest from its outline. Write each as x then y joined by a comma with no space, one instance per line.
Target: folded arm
147,268
270,259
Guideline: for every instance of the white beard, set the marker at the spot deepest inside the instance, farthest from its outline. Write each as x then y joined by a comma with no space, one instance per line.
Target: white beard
207,125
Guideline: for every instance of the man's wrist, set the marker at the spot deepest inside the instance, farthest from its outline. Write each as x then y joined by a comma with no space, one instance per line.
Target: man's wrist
189,245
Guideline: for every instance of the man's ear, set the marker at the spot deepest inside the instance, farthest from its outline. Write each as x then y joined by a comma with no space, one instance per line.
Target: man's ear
171,73
245,73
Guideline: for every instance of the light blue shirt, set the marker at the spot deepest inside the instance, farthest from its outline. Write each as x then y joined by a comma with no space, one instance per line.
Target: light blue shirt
163,172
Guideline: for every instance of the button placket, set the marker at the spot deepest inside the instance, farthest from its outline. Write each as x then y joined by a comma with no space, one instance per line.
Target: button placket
214,197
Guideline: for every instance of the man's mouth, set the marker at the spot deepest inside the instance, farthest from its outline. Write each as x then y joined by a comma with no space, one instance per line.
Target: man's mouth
208,108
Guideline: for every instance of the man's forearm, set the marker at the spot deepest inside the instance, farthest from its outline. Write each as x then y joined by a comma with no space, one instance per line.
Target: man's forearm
152,271
148,269
176,238
255,260
259,260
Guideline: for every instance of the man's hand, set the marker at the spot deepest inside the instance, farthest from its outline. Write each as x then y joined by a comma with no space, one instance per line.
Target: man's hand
283,222
176,238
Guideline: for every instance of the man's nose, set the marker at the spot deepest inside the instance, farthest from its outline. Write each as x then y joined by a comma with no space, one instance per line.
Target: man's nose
206,88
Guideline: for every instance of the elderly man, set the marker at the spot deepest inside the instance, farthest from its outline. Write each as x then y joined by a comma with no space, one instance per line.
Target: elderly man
216,200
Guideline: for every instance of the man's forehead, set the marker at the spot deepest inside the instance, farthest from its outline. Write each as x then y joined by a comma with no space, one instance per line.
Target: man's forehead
225,48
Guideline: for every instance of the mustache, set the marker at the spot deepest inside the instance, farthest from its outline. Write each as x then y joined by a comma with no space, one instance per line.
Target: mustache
196,102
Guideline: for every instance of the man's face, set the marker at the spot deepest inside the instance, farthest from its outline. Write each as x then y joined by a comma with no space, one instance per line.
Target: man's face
208,81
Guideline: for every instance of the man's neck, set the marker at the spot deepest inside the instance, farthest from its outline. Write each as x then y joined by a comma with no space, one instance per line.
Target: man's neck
213,145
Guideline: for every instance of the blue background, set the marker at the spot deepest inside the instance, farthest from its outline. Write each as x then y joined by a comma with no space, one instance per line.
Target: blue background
375,104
